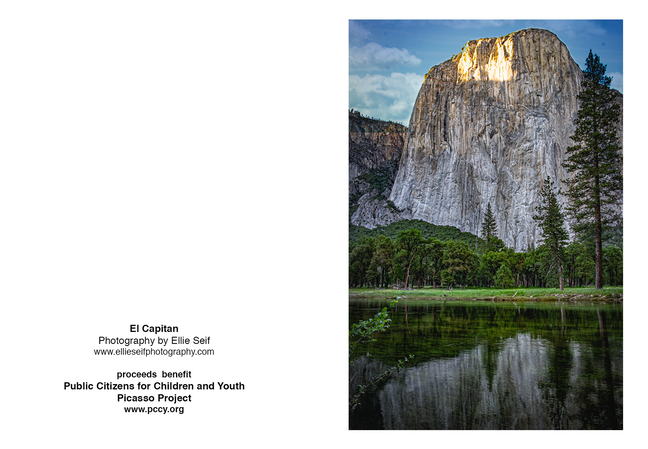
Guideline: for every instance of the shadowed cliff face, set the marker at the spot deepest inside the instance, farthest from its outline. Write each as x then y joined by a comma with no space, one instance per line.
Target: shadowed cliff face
487,127
375,149
373,143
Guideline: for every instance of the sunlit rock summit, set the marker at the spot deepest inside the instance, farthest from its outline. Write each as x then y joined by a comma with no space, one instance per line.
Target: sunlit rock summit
488,126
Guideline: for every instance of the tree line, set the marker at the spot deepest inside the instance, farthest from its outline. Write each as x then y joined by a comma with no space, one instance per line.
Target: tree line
412,261
360,115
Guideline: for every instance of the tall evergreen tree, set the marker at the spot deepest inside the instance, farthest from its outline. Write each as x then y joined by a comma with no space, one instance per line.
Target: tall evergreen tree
489,227
551,220
596,188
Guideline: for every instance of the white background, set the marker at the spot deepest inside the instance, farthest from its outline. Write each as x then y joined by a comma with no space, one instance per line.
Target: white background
185,163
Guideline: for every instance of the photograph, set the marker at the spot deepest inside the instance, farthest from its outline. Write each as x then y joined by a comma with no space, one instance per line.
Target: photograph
486,224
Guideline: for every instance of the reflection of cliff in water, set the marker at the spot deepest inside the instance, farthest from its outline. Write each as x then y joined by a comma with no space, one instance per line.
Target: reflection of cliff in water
521,383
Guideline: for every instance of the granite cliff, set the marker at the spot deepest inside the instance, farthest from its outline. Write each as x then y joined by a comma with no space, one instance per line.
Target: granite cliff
488,126
375,149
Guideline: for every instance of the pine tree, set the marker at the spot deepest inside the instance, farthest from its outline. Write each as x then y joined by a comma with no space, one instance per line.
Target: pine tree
551,221
489,227
596,188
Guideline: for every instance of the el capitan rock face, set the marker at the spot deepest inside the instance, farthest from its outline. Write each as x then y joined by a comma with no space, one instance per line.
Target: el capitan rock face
487,127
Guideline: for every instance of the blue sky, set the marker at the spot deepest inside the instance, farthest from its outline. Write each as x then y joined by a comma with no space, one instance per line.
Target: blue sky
389,58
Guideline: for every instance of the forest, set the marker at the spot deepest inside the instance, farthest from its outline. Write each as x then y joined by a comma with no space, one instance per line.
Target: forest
411,260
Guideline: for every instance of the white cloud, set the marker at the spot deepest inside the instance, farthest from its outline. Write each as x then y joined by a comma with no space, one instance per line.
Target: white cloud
617,81
385,97
358,34
373,56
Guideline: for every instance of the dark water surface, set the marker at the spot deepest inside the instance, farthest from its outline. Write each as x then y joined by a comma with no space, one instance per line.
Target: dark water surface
491,366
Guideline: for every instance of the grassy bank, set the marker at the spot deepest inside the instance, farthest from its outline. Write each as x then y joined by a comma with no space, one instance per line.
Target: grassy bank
607,294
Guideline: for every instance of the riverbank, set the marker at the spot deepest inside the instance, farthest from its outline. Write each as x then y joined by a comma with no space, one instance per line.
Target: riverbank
605,295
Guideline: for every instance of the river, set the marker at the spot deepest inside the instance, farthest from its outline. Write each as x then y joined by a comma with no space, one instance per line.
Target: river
480,365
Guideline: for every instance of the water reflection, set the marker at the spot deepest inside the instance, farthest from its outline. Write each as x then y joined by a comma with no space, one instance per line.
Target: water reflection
494,367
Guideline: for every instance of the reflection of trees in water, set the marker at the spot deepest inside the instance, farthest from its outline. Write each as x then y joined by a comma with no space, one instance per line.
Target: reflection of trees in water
602,373
367,415
611,408
490,353
502,368
558,384
534,386
591,396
